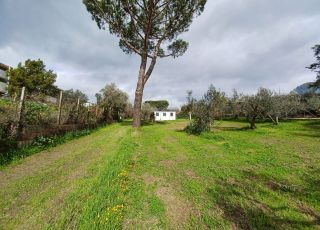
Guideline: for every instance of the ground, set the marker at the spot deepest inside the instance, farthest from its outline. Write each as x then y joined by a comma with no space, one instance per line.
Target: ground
162,178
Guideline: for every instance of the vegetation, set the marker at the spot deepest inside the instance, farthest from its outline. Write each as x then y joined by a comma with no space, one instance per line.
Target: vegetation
162,178
159,105
147,112
113,103
315,67
39,113
143,28
264,105
13,154
74,108
34,76
7,119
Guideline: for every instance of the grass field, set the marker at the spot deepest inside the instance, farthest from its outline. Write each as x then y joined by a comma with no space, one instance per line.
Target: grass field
162,178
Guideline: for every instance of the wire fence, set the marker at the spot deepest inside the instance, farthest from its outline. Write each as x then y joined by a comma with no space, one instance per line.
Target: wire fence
27,117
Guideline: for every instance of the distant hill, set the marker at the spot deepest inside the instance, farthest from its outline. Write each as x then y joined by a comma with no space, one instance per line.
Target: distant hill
304,88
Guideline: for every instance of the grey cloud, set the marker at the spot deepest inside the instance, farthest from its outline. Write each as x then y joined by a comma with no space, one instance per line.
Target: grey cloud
241,44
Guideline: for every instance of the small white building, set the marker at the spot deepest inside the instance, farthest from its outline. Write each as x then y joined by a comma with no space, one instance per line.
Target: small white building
165,115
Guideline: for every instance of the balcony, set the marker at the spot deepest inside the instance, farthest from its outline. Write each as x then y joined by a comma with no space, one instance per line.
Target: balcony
3,87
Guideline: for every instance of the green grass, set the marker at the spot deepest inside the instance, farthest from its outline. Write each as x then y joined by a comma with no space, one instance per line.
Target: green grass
161,178
15,155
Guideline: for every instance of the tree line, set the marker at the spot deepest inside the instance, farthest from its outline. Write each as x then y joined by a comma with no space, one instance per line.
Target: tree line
263,105
42,99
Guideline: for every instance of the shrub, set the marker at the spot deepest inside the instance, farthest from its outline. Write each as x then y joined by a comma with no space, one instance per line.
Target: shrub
38,113
44,142
7,118
39,144
147,112
201,119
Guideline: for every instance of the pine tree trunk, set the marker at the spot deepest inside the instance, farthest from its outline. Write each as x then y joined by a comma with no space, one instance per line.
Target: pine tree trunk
139,94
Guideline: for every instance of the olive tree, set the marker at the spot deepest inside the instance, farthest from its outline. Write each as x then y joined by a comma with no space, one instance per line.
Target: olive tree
267,104
147,112
234,104
201,118
145,27
257,106
112,101
210,107
284,106
189,107
312,104
73,106
216,101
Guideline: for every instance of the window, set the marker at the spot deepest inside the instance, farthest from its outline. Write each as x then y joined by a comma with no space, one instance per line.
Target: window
171,114
164,114
157,114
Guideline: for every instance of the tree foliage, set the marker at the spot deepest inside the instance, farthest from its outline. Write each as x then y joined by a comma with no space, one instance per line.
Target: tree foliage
72,96
149,28
144,25
315,67
206,110
234,105
261,106
74,112
159,105
113,102
257,105
216,101
34,76
201,118
147,112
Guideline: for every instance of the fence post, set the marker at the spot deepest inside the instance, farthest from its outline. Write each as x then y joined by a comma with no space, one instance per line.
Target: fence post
59,109
77,109
97,111
18,128
88,113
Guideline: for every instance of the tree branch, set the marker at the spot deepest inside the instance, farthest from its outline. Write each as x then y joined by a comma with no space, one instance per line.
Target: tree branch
153,61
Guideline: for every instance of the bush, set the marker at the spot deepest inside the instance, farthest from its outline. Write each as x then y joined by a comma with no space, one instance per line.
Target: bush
7,118
147,112
43,142
201,119
36,113
39,144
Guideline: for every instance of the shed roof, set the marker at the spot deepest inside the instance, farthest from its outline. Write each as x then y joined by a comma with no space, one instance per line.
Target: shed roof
167,111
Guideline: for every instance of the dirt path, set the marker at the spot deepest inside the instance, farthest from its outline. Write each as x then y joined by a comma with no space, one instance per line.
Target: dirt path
45,179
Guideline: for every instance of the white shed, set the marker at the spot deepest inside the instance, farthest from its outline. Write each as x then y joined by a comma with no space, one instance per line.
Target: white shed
165,115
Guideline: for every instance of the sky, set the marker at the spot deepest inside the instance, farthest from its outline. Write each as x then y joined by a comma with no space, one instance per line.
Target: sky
234,44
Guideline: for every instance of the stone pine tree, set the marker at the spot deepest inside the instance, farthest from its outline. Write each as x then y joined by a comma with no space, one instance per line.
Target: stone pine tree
316,66
149,28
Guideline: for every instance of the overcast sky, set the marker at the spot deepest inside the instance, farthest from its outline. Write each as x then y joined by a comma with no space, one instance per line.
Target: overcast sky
242,44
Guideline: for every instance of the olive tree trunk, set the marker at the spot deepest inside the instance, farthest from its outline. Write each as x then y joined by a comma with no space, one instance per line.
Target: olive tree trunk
139,94
253,123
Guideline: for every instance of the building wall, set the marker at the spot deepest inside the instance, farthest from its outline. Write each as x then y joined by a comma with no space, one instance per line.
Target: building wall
3,82
165,115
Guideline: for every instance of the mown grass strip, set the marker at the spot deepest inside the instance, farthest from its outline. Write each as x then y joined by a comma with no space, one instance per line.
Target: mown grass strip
100,201
15,155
